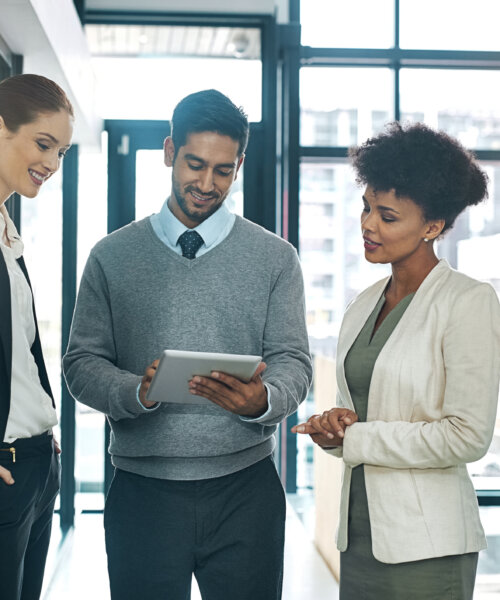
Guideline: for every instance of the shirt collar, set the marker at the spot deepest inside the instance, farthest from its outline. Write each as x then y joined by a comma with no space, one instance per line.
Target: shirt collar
8,231
209,230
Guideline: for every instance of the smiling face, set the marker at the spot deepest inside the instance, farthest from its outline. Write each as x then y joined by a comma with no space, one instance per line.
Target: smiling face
394,228
203,171
33,153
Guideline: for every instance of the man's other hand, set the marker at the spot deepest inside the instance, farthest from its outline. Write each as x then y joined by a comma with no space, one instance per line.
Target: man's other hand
244,399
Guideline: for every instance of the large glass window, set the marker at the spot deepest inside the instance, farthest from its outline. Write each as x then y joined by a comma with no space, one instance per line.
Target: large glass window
143,71
340,24
92,218
341,106
331,248
461,102
334,267
450,24
476,241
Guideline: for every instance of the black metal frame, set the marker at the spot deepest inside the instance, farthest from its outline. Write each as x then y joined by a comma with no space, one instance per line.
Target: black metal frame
394,58
69,284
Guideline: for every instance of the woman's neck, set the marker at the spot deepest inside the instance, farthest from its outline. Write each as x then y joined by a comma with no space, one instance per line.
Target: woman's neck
407,276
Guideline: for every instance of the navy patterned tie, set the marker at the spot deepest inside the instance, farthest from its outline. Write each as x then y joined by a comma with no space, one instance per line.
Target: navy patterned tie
190,242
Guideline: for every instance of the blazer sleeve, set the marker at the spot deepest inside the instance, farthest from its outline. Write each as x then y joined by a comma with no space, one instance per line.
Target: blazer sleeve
471,361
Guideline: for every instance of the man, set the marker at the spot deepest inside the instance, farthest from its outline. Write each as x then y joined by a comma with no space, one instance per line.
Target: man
195,489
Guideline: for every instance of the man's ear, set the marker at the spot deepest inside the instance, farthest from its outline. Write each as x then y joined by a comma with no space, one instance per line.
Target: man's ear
168,151
240,162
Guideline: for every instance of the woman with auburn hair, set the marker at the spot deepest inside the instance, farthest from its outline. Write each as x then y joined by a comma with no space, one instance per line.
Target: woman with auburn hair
36,125
418,366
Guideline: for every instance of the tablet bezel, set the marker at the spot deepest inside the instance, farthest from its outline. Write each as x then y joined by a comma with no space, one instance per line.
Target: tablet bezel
177,367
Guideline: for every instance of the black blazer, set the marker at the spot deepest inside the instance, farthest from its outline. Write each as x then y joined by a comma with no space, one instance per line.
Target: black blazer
6,345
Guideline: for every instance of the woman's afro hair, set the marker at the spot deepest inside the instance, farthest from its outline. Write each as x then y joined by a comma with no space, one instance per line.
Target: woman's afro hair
429,167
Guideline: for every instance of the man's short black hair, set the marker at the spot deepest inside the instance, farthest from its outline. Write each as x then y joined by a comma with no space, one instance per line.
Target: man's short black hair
429,167
209,110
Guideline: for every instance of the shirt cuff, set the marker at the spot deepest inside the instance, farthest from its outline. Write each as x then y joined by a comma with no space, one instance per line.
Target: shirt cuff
145,408
269,407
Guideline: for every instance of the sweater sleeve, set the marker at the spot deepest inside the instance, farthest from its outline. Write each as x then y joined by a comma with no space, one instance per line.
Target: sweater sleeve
285,345
471,360
90,361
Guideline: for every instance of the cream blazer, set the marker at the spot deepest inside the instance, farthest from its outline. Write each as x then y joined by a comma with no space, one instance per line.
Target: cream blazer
431,409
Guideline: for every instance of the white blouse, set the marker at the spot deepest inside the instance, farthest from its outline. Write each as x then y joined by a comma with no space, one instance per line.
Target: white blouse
31,411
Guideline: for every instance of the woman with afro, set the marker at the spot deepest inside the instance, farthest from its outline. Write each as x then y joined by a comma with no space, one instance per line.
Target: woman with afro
418,365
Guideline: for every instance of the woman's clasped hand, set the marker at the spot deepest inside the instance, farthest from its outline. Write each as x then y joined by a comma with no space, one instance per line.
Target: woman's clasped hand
327,430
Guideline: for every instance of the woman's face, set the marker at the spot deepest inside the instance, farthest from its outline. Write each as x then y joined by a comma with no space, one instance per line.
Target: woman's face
33,153
393,228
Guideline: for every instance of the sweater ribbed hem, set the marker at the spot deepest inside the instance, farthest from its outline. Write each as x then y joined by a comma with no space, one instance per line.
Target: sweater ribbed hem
194,468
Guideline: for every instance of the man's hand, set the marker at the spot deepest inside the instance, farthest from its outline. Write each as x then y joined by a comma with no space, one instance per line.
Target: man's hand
245,399
6,475
146,382
327,430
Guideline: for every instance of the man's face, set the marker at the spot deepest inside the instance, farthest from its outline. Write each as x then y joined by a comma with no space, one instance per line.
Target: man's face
202,175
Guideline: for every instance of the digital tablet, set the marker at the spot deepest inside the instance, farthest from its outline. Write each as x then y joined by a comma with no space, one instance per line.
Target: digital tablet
178,367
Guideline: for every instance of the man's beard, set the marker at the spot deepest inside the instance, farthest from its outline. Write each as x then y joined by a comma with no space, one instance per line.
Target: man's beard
198,215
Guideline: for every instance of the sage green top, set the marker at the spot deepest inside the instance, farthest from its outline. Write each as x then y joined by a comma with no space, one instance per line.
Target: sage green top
358,366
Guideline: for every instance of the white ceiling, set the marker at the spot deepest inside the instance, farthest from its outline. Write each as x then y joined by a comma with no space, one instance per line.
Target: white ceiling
153,40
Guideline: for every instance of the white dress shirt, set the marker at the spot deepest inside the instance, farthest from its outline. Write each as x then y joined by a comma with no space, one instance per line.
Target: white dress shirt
31,411
213,230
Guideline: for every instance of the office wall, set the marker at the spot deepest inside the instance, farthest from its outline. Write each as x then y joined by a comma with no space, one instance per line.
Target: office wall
49,37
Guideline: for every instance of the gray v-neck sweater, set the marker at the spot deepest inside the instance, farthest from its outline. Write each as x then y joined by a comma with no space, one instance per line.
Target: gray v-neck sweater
137,297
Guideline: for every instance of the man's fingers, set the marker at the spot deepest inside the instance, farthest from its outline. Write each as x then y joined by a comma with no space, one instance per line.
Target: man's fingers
260,369
212,390
150,373
6,475
222,378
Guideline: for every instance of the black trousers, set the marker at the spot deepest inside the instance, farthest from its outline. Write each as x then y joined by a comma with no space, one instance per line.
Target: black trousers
26,509
228,531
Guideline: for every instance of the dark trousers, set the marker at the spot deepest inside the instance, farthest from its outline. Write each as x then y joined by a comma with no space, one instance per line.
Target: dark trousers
228,531
26,509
